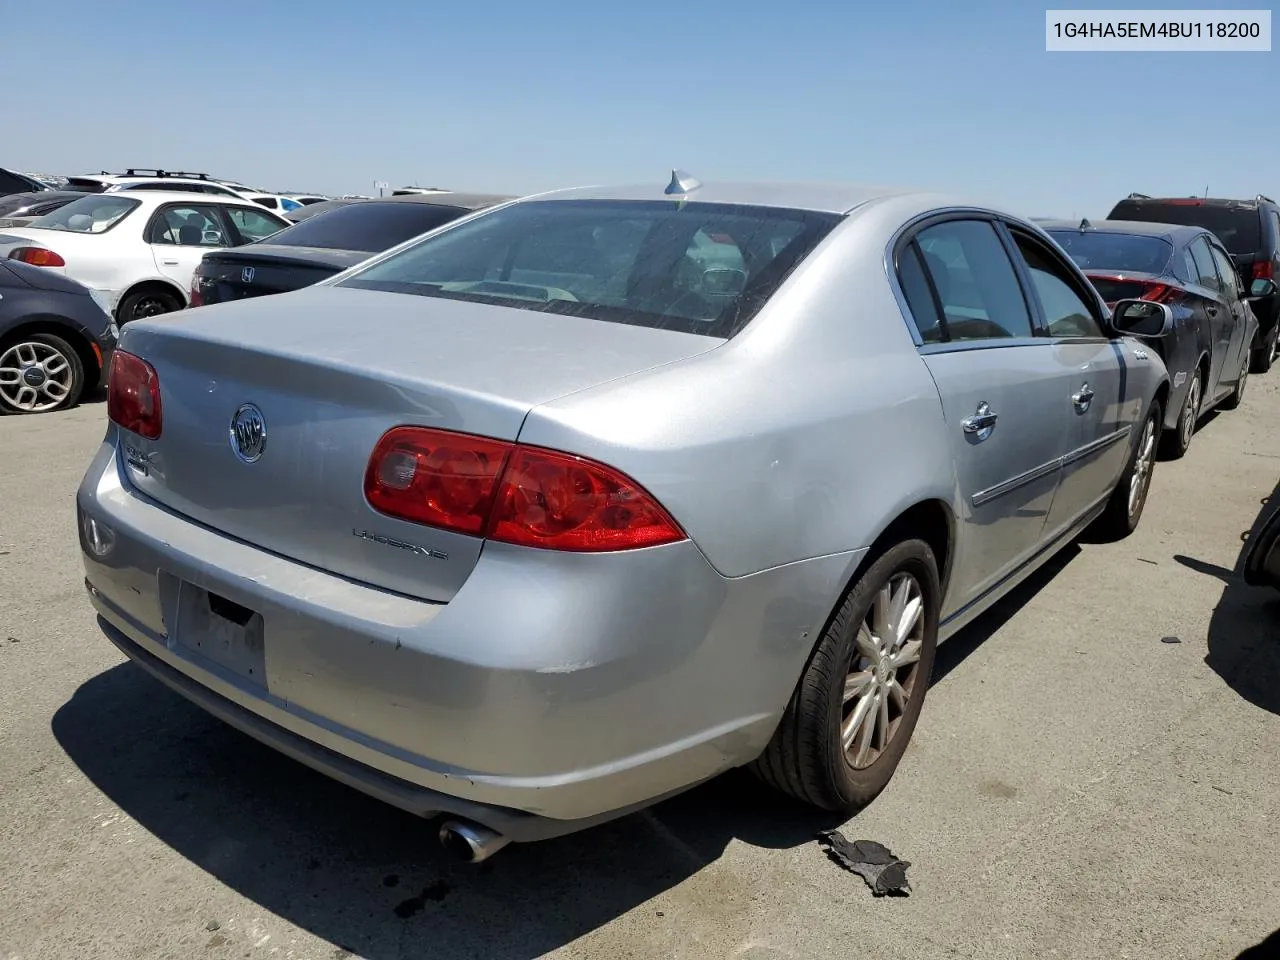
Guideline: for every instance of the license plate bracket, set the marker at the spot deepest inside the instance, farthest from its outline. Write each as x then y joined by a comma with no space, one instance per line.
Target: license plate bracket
217,629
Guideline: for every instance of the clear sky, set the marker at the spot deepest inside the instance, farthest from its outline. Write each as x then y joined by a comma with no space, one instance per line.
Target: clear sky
518,96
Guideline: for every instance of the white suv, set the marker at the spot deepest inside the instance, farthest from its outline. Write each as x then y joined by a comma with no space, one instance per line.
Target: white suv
175,180
136,250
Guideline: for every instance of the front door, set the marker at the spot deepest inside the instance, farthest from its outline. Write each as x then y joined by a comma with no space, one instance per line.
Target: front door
1229,339
1090,374
999,396
180,234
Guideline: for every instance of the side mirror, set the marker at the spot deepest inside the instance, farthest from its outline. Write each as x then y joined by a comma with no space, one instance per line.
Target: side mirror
1262,288
1142,318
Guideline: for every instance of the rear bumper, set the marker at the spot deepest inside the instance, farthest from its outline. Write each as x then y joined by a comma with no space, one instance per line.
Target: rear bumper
570,688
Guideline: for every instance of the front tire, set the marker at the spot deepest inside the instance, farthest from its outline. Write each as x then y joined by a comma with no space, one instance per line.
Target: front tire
1124,509
39,373
1176,442
857,703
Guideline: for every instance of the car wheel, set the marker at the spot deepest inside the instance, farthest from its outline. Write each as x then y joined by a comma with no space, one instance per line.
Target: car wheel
1237,395
856,705
39,373
1177,441
1124,509
1265,355
146,303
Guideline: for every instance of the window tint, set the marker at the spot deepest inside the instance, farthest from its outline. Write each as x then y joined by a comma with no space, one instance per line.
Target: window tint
915,287
695,267
268,202
1115,251
1066,312
1206,273
369,227
975,280
95,213
251,224
1226,273
1190,271
187,225
12,184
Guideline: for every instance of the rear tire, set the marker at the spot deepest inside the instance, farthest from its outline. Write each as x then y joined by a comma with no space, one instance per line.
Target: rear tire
1175,443
146,303
1124,509
820,753
39,373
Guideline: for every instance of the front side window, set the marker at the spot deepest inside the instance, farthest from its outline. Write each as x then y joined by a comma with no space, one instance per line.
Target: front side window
95,213
1066,311
976,285
694,267
251,224
187,225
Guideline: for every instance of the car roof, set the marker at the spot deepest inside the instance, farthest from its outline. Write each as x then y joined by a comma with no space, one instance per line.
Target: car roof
822,197
157,197
1250,204
469,201
1143,228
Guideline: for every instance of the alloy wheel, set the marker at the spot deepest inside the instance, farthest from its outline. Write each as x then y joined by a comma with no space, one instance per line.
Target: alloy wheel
1192,412
883,674
1143,466
34,377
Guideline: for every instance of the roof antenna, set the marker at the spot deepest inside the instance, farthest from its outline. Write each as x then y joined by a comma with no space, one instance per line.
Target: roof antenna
1085,225
681,182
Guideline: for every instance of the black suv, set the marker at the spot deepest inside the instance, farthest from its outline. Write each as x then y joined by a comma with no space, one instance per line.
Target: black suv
1249,229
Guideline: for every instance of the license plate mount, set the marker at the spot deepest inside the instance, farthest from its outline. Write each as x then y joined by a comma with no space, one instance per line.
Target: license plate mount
216,629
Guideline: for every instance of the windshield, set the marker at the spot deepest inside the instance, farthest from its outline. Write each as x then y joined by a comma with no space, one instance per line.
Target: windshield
1121,252
1238,228
368,227
694,267
97,213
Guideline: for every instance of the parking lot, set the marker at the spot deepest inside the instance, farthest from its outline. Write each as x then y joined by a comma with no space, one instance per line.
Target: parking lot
1076,788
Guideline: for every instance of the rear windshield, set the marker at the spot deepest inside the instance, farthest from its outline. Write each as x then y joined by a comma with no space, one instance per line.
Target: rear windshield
85,185
92,214
1121,252
369,227
694,267
1239,228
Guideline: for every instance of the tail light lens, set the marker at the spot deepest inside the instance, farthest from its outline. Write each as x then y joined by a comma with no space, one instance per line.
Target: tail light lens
1264,270
37,257
512,493
195,296
133,395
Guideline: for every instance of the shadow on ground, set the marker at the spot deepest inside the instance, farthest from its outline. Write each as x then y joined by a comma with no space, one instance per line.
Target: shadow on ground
1268,949
1244,632
371,879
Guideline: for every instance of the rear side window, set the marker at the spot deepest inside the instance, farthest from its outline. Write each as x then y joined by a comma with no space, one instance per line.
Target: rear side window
703,268
975,281
1239,228
369,227
12,184
915,286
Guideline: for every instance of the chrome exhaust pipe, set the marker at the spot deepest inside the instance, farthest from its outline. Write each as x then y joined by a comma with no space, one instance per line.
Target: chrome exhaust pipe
470,842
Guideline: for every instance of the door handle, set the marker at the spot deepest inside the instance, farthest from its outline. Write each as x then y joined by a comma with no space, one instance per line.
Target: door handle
1082,398
1211,310
981,423
170,263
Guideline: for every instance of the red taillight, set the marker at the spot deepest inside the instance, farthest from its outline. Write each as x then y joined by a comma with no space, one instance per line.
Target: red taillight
1160,293
133,395
1264,270
512,493
37,257
195,297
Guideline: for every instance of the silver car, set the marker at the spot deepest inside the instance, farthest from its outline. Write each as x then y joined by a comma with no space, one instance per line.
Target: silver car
584,499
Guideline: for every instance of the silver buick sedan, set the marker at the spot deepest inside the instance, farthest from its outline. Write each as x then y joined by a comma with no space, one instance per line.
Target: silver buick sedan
584,499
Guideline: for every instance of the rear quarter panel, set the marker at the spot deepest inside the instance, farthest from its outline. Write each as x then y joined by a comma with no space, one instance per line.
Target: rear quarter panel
804,436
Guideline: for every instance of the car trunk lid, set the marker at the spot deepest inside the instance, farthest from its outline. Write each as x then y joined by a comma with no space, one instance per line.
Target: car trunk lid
262,269
331,370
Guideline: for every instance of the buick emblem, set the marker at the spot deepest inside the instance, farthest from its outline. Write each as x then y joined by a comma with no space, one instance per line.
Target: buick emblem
246,275
248,433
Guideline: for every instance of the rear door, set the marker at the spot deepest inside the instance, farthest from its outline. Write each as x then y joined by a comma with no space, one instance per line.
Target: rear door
1217,313
1091,383
1231,337
1000,390
180,234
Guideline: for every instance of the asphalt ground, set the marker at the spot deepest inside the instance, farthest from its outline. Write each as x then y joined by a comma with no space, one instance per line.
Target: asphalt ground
1076,788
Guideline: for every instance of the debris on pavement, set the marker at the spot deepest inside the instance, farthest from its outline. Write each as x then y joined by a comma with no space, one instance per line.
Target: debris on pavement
884,873
1170,640
1222,789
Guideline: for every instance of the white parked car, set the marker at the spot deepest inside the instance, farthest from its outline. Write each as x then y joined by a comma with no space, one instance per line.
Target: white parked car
137,250
176,181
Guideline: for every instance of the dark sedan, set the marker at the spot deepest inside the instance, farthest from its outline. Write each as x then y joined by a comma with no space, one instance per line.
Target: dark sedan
56,340
322,245
1187,268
